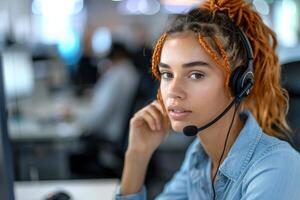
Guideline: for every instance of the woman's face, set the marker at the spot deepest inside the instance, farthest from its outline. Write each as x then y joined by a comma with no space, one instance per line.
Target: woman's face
192,85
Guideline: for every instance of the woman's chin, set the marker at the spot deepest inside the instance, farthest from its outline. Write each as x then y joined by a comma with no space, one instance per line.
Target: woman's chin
177,126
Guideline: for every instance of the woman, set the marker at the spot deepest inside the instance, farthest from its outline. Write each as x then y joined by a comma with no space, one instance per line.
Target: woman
238,156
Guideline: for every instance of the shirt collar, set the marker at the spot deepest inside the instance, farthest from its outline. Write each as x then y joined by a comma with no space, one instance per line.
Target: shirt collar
198,154
243,148
240,152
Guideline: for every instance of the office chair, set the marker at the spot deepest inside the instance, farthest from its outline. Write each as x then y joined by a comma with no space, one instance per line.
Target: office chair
291,82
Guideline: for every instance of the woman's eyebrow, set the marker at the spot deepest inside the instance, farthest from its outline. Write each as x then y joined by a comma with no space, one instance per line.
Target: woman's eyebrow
186,65
196,63
163,65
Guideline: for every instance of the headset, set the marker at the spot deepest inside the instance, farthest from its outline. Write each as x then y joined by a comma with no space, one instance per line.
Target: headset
243,75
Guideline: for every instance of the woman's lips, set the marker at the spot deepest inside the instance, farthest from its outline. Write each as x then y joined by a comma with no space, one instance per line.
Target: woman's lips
178,114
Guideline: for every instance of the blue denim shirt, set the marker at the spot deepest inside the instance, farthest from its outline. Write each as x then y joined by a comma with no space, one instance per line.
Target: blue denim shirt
257,167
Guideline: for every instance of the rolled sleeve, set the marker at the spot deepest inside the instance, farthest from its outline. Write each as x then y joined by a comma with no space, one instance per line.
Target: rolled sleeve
141,195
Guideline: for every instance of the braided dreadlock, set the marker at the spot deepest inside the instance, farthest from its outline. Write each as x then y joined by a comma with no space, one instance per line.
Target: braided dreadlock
211,21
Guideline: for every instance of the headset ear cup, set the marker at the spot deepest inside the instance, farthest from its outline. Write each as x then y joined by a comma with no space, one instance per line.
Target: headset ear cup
235,80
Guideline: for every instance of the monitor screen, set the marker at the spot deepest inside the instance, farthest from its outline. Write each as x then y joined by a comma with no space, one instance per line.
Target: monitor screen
18,73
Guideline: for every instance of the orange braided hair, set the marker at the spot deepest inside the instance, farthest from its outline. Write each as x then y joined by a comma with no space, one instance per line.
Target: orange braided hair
268,101
155,61
215,57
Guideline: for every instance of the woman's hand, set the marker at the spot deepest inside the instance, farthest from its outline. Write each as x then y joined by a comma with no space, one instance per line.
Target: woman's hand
148,128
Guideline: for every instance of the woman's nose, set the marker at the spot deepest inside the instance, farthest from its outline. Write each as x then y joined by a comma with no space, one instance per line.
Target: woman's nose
176,89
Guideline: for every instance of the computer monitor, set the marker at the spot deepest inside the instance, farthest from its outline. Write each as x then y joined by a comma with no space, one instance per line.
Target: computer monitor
18,73
6,167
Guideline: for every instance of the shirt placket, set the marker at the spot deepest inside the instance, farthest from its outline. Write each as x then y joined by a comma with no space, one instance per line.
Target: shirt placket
198,177
220,185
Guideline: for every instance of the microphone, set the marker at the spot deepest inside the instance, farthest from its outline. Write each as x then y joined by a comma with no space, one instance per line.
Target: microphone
192,130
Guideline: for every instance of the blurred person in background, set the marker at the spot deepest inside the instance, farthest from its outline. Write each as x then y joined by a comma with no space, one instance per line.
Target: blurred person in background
204,63
105,119
86,74
112,96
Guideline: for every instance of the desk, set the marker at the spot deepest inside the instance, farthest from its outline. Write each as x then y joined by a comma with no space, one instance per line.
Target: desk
42,150
103,189
33,131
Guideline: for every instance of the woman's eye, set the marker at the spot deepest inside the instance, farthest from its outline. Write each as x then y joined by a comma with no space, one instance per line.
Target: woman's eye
166,75
196,76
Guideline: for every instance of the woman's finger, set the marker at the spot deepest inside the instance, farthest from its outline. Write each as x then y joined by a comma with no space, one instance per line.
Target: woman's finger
166,120
149,119
156,114
159,107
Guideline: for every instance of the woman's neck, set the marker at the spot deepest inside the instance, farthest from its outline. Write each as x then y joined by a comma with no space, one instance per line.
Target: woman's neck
213,138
